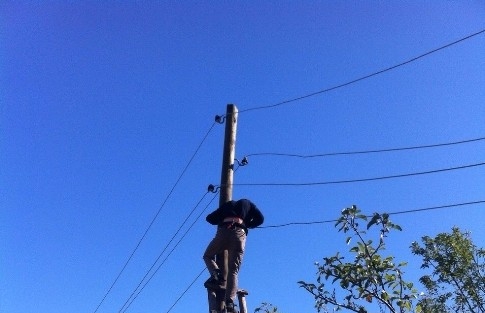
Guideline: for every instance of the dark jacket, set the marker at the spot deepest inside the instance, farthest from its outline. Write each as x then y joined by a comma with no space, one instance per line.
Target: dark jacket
244,209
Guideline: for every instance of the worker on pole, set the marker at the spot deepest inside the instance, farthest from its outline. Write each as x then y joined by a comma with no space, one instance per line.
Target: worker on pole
233,219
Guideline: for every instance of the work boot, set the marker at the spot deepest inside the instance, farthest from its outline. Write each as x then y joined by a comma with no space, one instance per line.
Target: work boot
216,281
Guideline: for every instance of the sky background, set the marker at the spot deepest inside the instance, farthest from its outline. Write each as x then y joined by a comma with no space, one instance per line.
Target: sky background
104,104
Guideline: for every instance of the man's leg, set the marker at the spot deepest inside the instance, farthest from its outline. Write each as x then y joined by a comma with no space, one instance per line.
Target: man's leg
235,257
209,257
215,246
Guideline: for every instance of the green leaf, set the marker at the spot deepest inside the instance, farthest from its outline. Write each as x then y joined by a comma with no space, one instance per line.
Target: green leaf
418,309
374,220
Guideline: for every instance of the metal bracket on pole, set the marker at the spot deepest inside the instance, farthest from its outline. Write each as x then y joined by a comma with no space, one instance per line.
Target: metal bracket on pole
243,162
241,296
220,119
213,189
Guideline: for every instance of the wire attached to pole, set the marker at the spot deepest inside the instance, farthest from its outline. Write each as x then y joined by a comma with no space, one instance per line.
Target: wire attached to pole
220,119
213,188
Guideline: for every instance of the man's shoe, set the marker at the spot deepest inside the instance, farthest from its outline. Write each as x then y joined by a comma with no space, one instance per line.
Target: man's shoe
216,281
214,284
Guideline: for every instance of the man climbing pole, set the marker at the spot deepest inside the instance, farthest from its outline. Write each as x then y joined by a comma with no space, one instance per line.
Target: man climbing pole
233,219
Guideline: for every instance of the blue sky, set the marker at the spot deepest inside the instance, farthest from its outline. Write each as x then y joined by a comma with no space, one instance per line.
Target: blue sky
103,105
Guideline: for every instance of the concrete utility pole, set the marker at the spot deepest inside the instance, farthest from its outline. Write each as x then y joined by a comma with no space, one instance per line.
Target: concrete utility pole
216,298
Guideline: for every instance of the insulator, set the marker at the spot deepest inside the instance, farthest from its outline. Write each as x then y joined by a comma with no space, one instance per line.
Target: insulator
220,119
244,161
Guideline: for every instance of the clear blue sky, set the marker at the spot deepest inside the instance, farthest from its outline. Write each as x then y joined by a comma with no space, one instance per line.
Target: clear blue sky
103,104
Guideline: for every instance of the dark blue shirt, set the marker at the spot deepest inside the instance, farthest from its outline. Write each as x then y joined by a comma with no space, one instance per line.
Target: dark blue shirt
244,209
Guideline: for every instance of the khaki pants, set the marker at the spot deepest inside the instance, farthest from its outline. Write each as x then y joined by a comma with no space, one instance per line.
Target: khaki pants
234,241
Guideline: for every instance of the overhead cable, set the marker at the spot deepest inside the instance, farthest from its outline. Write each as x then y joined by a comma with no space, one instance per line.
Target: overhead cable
187,289
364,77
133,296
163,251
154,218
363,152
361,179
391,213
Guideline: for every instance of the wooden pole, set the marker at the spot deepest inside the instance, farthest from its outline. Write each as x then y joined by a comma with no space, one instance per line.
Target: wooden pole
227,179
228,154
216,299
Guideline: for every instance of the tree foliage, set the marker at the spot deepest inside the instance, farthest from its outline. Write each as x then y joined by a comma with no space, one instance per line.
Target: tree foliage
457,281
266,308
366,278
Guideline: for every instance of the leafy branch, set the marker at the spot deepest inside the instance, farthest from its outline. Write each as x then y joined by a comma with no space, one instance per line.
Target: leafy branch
369,277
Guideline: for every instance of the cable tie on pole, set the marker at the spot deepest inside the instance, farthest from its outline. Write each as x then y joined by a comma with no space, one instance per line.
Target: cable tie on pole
212,188
220,119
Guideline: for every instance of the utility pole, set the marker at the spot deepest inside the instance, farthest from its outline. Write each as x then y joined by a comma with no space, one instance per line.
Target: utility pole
216,298
228,154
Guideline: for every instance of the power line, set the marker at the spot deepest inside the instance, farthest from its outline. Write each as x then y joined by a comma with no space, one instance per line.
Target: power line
154,218
173,249
364,77
361,179
185,291
126,306
392,213
364,152
163,251
438,207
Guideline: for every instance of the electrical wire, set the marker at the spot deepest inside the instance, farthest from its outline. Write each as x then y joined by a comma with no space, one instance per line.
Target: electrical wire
364,77
154,218
185,291
133,298
366,151
163,251
392,213
361,179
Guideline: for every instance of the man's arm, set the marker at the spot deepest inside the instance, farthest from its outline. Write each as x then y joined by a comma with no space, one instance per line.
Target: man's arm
215,217
257,217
